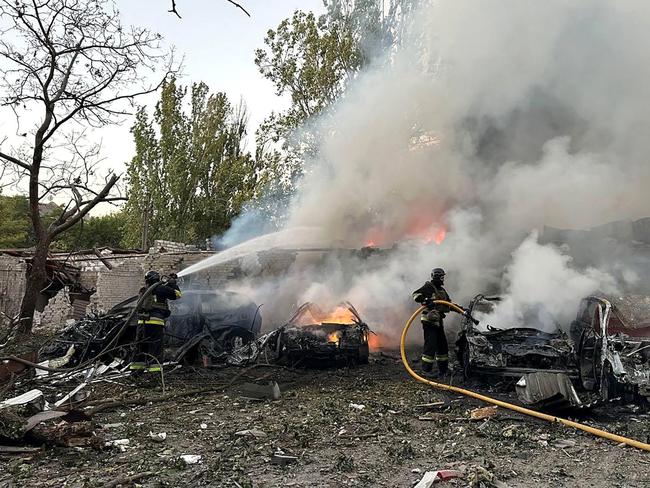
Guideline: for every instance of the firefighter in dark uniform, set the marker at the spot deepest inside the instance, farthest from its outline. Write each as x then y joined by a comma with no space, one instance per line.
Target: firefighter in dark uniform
435,341
151,320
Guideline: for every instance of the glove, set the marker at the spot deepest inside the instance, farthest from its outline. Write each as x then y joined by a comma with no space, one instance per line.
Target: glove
428,302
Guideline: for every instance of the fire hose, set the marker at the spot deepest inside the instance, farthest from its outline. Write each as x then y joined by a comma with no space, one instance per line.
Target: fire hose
516,408
108,348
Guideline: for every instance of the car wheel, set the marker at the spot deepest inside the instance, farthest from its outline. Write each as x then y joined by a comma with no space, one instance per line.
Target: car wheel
236,339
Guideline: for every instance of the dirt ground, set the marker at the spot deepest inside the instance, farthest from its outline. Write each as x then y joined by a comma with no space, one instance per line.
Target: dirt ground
357,427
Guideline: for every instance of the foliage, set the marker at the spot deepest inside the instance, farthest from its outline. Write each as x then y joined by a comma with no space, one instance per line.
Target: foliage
94,232
14,222
313,60
190,174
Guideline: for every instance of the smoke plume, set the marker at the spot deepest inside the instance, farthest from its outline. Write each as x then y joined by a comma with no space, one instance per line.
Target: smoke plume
491,119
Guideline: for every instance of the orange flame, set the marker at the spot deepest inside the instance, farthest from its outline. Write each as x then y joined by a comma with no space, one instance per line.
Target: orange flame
435,232
334,337
314,315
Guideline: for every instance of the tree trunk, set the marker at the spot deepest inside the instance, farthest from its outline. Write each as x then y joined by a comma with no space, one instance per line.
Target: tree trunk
36,281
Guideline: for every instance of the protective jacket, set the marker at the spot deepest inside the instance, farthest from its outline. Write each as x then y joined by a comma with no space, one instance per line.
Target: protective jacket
430,292
155,309
435,347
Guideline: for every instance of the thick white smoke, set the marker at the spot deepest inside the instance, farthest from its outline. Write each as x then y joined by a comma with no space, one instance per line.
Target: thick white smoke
492,118
542,289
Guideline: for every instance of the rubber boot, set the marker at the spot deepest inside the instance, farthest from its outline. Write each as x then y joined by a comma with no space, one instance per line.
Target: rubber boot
443,369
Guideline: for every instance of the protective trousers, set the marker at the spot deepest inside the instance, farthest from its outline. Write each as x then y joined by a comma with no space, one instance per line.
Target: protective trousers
435,346
151,345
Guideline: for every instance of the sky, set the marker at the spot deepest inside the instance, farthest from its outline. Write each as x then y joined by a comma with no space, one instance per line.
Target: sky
217,42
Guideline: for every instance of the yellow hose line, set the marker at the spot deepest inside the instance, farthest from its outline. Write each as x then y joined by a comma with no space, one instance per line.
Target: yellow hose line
526,411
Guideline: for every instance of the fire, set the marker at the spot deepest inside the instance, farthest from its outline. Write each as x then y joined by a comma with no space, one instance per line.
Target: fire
334,337
378,341
417,230
340,315
314,315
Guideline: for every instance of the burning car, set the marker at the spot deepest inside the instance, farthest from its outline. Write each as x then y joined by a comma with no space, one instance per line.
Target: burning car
612,337
512,351
316,335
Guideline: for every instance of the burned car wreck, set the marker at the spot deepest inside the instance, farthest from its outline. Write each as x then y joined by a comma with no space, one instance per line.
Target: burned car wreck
512,351
605,356
204,326
313,335
612,337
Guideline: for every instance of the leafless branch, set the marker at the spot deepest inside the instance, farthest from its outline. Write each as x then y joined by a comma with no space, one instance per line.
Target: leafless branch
67,64
174,11
239,6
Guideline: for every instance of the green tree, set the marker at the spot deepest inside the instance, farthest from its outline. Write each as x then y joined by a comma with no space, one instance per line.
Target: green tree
14,222
94,232
312,60
190,174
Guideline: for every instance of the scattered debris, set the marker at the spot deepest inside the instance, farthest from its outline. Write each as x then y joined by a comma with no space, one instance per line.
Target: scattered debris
483,413
550,391
564,443
191,458
160,437
431,477
251,433
270,391
430,406
10,368
481,477
69,434
19,449
33,398
283,459
36,419
121,444
127,480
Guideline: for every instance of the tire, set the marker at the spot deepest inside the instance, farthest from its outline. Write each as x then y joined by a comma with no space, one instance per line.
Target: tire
236,338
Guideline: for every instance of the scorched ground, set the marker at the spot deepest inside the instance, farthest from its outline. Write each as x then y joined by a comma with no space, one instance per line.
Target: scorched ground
363,426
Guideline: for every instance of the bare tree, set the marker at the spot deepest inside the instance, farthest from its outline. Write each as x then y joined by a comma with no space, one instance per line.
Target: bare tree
66,67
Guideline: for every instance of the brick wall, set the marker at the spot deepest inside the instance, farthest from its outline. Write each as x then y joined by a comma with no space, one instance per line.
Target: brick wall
12,284
126,278
55,314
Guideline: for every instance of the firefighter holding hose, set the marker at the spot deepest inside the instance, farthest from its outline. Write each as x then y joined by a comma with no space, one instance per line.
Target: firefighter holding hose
152,313
435,347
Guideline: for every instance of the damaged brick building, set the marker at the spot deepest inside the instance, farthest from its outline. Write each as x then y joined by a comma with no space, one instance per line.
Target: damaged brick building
96,281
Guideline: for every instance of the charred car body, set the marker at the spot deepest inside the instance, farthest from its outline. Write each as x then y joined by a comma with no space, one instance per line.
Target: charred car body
203,324
612,337
312,335
513,351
